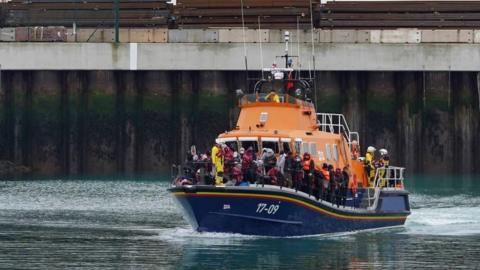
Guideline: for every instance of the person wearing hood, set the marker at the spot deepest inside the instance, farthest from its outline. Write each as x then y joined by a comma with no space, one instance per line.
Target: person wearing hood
228,159
269,159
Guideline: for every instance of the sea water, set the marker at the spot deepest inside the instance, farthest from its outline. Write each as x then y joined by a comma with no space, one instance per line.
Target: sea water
134,224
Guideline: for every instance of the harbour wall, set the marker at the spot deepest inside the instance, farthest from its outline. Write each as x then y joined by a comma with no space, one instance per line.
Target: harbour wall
104,122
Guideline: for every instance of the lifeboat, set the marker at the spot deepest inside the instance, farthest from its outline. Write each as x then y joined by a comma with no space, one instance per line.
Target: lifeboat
286,123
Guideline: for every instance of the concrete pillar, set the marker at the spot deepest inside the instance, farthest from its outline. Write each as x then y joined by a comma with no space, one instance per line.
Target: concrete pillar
409,92
463,85
102,123
212,110
159,130
46,98
437,124
381,112
7,112
329,98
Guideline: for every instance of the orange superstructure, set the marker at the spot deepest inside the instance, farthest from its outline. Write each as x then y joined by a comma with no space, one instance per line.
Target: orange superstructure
293,125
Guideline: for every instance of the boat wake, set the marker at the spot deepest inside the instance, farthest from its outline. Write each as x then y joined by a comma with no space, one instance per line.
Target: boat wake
440,215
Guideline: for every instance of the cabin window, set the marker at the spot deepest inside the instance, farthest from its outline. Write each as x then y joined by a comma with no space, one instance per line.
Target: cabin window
248,144
286,147
272,145
335,152
313,149
232,145
297,146
328,151
321,156
305,147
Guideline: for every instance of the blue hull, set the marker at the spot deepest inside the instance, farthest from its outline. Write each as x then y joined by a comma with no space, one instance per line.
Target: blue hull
276,212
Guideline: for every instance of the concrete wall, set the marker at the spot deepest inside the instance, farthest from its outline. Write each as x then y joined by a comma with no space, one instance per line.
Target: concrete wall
108,122
229,56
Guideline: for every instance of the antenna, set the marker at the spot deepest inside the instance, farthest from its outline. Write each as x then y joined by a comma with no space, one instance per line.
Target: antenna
298,48
260,42
313,56
244,43
287,39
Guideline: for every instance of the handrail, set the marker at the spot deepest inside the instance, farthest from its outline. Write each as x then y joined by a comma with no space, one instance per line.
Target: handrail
336,123
389,177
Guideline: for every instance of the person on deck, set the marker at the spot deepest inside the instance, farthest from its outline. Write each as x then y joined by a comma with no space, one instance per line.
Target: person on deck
338,186
272,97
331,187
308,170
383,163
228,159
326,181
217,160
344,185
369,164
269,159
248,166
297,172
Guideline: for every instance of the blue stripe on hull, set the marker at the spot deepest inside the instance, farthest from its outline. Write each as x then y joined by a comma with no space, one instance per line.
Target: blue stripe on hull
240,215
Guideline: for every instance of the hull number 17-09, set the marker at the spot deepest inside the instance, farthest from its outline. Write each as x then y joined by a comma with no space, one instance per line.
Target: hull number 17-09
269,209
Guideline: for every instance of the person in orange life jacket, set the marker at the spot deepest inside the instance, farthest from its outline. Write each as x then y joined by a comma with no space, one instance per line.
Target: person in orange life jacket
353,185
325,180
308,170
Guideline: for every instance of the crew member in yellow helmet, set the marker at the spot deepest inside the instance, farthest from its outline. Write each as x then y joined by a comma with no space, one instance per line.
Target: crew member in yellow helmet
369,164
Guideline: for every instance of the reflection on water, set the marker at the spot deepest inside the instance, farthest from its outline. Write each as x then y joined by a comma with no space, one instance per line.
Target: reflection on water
135,224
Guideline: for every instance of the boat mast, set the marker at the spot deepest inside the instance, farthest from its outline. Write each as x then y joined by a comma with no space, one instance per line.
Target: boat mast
287,39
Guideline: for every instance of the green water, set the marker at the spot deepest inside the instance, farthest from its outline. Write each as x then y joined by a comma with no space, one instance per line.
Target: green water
134,224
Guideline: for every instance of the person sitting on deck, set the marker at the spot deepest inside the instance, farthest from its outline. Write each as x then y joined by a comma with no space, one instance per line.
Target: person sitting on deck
272,97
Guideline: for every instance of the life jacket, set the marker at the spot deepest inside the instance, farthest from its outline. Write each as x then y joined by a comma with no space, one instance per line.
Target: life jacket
306,165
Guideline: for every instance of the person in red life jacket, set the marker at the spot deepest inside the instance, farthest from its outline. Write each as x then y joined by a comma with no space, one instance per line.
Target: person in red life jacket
248,168
325,181
228,159
308,169
290,83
